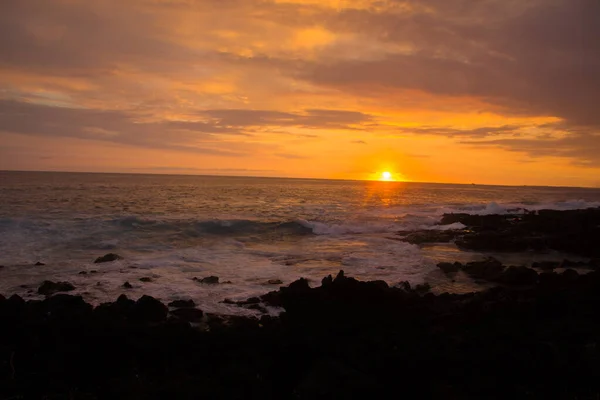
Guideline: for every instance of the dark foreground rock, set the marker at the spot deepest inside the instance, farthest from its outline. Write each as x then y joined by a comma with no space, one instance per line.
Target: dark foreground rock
108,258
345,339
48,288
574,231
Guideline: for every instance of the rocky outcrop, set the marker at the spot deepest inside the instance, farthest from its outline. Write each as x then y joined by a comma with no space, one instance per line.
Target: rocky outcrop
108,258
48,288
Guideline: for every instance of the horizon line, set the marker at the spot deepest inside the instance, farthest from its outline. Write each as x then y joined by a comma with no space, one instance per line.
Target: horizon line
296,178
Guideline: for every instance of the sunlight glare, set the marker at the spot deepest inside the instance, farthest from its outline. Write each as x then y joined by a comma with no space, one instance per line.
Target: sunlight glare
386,176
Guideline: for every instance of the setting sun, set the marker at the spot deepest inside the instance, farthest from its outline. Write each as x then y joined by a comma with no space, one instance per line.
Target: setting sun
386,176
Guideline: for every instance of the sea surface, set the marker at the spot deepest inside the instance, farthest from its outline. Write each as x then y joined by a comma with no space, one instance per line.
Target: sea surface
244,230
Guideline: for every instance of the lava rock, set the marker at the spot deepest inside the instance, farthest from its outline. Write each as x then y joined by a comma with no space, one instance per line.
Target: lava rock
546,265
149,309
431,236
188,314
449,268
182,304
570,275
209,280
519,276
48,288
108,258
489,269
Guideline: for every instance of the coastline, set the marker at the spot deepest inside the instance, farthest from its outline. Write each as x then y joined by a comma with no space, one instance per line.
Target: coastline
534,334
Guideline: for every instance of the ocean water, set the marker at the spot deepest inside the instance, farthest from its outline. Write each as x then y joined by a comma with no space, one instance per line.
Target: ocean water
244,230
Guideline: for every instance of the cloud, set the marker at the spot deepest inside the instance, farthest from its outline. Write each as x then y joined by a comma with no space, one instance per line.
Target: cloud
454,132
359,142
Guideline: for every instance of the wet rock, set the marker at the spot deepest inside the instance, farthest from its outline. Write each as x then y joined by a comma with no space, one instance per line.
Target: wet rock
48,288
449,268
489,269
39,264
188,314
127,285
148,309
519,276
423,288
431,236
274,282
67,306
146,279
570,275
108,258
257,307
209,280
182,304
546,265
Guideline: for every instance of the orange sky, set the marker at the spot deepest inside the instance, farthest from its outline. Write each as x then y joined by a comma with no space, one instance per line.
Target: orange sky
495,91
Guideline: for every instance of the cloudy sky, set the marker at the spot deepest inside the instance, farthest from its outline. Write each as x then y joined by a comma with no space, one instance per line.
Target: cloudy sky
486,91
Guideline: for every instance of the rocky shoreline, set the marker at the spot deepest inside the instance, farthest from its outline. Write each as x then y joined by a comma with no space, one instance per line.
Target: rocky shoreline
535,335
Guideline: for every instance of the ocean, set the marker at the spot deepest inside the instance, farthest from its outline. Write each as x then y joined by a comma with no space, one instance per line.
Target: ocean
245,230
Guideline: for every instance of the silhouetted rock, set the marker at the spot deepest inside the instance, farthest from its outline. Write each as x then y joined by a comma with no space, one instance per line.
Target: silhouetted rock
127,285
209,280
148,309
49,288
519,276
431,236
39,264
274,282
570,275
489,269
83,272
422,288
448,268
546,265
188,314
146,279
108,258
182,304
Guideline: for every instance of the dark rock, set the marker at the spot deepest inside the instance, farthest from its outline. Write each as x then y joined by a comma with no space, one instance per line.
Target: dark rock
39,264
188,314
146,279
448,268
252,300
431,236
328,280
423,288
519,276
93,271
83,273
108,258
405,285
570,275
228,301
274,282
67,306
489,269
127,285
257,307
209,280
182,304
49,288
148,309
546,265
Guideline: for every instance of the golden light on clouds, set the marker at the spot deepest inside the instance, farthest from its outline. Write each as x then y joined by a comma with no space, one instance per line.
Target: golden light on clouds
304,88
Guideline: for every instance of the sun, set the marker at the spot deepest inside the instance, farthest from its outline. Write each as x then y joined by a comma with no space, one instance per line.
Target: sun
386,176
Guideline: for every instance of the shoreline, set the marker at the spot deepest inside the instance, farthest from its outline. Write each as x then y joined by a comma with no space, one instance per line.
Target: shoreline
343,339
535,334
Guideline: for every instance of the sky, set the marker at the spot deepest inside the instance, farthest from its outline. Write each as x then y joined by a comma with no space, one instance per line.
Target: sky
464,91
